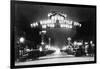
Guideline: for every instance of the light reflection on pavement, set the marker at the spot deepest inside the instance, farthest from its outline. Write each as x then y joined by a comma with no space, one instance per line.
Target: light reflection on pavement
56,58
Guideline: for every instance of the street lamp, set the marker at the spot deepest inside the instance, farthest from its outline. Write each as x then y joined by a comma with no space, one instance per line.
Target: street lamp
22,40
49,41
69,39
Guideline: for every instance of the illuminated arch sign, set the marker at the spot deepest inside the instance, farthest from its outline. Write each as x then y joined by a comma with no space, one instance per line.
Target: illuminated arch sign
56,19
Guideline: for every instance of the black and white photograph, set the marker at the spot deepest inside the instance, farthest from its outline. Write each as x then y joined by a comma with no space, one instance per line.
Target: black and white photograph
52,34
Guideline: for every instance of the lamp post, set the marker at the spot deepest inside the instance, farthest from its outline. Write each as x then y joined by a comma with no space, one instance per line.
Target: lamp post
43,32
49,41
22,43
69,40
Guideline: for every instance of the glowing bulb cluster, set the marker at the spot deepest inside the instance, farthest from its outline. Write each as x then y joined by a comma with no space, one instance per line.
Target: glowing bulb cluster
77,24
51,14
65,26
34,24
57,17
78,43
51,22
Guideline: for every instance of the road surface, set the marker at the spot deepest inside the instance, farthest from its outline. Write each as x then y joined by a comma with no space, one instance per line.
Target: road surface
56,58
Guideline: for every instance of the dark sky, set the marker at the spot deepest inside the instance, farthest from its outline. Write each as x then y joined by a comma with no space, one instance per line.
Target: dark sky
25,14
38,12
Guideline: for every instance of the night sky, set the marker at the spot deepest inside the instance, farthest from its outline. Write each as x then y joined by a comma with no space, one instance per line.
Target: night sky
25,14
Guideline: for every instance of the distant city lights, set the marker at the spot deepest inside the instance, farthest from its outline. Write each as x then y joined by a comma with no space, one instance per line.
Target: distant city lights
43,31
57,51
79,43
86,43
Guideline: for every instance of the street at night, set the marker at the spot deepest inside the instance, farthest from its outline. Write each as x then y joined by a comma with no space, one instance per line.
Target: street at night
56,58
49,34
